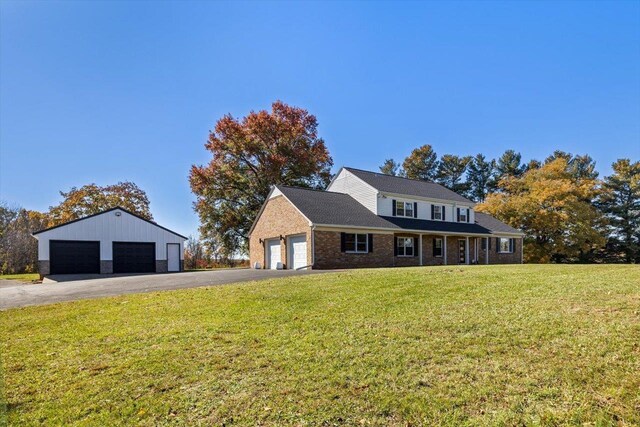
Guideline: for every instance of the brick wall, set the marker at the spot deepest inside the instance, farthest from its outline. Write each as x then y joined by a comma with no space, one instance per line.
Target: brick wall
279,217
427,251
408,261
499,258
329,256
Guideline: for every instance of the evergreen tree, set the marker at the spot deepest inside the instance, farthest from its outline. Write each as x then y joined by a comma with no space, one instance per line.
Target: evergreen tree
620,201
479,177
509,165
580,167
390,167
422,164
451,170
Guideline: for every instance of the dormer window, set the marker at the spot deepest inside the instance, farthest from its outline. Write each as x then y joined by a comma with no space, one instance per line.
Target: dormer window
405,209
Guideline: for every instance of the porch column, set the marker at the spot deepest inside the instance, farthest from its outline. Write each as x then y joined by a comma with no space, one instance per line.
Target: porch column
475,250
444,248
486,251
420,247
466,249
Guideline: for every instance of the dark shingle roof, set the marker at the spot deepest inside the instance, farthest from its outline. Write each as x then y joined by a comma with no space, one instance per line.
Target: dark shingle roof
409,187
330,208
440,226
326,207
493,224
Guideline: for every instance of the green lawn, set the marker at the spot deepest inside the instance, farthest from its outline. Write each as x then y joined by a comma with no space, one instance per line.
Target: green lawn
480,345
27,277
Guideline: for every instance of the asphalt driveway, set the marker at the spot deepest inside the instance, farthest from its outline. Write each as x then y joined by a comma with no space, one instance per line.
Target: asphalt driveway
22,295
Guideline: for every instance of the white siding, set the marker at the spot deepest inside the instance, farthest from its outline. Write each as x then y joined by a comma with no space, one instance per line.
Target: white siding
385,208
108,228
348,183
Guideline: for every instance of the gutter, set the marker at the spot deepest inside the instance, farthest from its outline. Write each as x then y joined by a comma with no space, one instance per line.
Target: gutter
407,230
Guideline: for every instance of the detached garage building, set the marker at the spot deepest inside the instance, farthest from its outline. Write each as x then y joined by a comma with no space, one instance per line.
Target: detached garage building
113,241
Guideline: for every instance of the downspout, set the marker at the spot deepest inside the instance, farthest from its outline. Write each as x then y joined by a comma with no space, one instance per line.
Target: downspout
313,246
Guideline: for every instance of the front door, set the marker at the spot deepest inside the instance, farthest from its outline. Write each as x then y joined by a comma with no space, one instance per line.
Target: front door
463,251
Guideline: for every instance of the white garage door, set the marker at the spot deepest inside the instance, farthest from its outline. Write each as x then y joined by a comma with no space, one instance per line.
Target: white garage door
298,251
273,254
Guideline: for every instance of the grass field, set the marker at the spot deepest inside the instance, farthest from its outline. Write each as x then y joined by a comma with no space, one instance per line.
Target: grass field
27,277
480,345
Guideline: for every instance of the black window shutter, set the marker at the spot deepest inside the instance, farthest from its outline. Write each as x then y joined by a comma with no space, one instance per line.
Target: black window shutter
370,237
512,245
497,244
395,246
468,216
393,207
342,242
489,242
433,209
415,246
458,215
415,209
434,247
443,212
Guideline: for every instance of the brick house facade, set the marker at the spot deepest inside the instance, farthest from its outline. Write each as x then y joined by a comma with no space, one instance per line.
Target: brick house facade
367,220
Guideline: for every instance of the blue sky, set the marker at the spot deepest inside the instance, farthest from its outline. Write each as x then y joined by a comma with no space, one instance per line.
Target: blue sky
111,91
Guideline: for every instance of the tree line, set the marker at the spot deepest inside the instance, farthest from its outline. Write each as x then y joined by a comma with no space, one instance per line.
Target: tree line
567,213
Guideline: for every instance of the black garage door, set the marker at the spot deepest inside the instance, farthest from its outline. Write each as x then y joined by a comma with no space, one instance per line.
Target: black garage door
134,257
74,257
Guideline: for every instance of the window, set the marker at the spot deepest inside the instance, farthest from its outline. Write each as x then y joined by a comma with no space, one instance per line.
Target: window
505,245
356,243
437,212
405,246
437,247
404,209
462,217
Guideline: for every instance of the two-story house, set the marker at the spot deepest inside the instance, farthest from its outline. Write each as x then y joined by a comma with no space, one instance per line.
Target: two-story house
367,219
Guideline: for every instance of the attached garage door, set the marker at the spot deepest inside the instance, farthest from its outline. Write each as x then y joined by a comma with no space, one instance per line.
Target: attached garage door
74,257
134,257
298,251
273,254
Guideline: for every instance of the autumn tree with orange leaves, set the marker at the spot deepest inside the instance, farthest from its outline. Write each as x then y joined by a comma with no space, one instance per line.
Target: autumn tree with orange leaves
250,155
91,199
554,207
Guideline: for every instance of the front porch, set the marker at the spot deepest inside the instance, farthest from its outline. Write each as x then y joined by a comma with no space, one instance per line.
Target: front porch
431,249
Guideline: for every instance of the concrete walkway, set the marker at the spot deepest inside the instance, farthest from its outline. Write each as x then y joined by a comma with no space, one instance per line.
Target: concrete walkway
48,293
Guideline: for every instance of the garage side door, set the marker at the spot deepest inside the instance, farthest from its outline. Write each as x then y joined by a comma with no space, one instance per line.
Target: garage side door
134,257
74,257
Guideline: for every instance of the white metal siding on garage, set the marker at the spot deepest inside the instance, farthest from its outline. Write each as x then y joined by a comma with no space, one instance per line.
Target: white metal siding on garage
348,183
108,228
